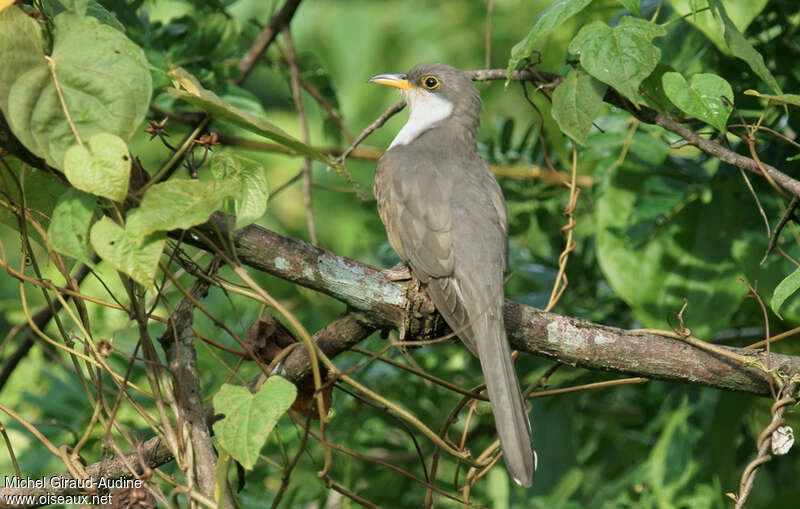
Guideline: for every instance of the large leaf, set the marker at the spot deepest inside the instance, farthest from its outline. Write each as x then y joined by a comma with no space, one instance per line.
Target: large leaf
688,255
622,56
179,203
249,418
702,98
101,167
191,91
103,77
576,102
69,229
742,49
21,47
550,19
126,252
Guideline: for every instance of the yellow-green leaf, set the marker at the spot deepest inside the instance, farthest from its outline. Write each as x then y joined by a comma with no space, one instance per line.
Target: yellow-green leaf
138,258
191,91
102,166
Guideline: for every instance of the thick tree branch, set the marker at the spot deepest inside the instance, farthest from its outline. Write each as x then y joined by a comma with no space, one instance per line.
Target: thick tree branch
151,453
380,304
178,343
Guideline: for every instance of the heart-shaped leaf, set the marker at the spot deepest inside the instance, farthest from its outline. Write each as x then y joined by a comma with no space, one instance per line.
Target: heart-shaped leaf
101,167
708,97
103,79
249,418
622,56
575,103
123,250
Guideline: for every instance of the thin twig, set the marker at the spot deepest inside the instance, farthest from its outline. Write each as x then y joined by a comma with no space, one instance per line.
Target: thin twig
290,56
287,473
391,110
787,216
265,38
488,38
764,443
560,283
327,106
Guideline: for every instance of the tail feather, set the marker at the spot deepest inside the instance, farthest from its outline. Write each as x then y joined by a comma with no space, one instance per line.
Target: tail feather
485,336
508,406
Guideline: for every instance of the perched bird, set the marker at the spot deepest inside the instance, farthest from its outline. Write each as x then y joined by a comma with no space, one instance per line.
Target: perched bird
445,216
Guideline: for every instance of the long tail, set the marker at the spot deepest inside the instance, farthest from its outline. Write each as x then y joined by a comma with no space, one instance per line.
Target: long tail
486,338
508,407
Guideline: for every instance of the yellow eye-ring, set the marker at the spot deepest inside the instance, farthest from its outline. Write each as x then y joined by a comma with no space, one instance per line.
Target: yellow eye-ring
430,82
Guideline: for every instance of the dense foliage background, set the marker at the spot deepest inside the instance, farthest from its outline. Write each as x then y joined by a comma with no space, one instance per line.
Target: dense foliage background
656,221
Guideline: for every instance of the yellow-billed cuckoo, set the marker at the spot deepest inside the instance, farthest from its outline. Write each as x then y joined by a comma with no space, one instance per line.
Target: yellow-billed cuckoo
446,217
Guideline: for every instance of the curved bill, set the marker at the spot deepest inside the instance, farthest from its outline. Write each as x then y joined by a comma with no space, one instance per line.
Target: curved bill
393,80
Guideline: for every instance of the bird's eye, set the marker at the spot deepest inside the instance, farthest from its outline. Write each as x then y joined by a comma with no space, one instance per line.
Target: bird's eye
430,82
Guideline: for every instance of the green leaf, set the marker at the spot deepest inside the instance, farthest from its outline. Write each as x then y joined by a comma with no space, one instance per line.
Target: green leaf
700,14
791,99
784,290
210,102
576,102
105,82
76,6
689,254
90,8
251,201
179,204
102,167
21,47
249,418
550,19
633,6
622,56
702,98
126,252
69,229
742,49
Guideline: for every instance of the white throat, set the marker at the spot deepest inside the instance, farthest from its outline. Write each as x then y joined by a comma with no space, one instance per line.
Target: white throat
425,110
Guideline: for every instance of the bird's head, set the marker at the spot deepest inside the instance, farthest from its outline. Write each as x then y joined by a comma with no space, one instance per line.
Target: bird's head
438,90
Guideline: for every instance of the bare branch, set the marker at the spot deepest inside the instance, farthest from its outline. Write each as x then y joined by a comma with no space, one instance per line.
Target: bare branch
381,303
152,453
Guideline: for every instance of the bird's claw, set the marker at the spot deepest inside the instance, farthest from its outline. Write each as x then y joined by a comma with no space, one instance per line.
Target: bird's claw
400,272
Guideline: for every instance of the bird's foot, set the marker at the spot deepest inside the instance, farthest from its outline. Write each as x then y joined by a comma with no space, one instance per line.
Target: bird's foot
400,272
